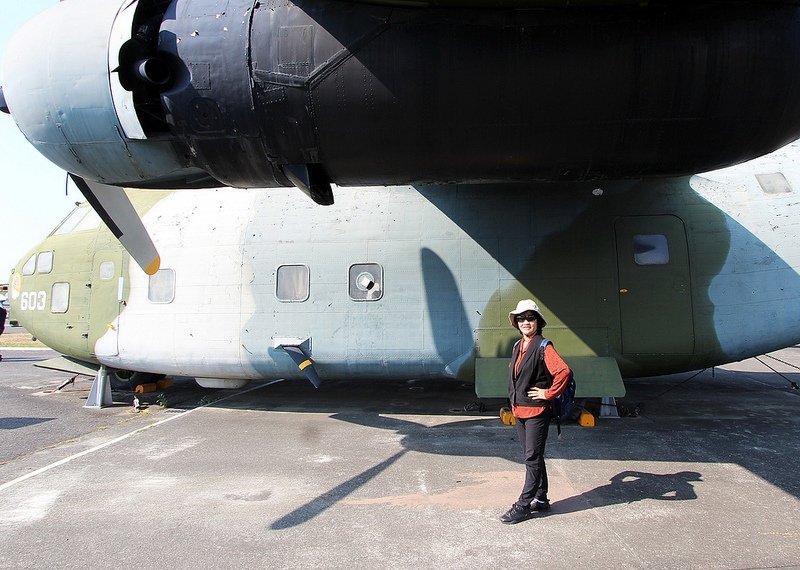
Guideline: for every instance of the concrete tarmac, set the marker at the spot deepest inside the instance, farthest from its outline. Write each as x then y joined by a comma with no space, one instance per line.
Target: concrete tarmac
398,475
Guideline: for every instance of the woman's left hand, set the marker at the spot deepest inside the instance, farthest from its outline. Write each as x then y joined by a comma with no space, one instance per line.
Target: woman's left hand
536,394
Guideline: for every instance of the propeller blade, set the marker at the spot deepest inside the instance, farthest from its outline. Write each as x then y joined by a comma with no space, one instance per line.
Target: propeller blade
304,363
116,210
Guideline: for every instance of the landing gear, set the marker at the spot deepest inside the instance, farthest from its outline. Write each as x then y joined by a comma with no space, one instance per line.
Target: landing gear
129,379
108,379
100,392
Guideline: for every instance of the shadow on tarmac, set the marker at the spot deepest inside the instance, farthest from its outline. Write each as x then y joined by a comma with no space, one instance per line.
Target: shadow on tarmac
325,501
16,423
631,486
716,417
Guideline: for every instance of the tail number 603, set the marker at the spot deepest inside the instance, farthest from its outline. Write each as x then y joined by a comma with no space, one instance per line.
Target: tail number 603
32,300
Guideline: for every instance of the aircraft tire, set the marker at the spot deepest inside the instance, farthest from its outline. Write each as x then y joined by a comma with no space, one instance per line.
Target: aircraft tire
129,379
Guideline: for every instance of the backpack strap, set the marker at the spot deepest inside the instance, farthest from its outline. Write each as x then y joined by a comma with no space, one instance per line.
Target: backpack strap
556,413
545,342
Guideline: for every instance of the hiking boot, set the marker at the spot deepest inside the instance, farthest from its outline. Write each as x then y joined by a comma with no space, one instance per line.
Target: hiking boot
539,505
516,514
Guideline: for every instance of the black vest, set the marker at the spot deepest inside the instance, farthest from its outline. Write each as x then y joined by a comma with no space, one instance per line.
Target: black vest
532,373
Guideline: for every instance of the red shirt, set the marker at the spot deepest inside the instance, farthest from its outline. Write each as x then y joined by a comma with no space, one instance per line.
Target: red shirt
557,368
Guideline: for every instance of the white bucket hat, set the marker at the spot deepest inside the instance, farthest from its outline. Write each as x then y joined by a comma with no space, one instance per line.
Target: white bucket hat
525,306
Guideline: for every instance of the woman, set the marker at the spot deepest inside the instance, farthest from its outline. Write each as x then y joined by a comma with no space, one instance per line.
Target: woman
534,379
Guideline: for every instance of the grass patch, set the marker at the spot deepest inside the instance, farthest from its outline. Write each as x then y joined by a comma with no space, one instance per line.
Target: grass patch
19,340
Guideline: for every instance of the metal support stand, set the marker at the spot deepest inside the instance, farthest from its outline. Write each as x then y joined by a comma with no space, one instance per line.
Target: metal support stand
100,393
63,385
608,407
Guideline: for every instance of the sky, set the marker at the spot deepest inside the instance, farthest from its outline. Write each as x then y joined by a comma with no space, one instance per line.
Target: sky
32,197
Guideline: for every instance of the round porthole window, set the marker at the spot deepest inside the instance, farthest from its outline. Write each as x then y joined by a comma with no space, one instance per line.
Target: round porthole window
365,281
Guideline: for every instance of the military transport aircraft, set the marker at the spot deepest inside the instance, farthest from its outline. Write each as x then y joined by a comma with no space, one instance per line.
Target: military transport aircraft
635,277
243,93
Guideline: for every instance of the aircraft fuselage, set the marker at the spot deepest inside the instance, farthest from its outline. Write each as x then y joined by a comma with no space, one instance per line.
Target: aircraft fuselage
660,276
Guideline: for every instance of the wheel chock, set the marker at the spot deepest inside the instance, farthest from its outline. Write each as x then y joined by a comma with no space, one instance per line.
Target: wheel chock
164,384
507,417
586,419
144,388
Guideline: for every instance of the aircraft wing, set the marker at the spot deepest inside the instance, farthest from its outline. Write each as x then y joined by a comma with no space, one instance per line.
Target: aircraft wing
317,93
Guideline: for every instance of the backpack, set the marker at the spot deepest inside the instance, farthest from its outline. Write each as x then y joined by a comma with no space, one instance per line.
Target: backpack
562,404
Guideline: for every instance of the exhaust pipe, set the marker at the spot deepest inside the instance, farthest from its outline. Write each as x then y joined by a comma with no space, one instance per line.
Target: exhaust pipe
153,70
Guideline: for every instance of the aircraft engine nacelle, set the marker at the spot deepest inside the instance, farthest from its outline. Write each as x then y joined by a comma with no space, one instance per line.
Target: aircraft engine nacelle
63,92
152,93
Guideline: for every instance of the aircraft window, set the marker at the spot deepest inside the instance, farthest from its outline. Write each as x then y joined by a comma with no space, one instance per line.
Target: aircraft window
366,282
71,221
45,262
30,266
90,221
78,220
107,270
292,283
161,288
774,183
59,299
650,249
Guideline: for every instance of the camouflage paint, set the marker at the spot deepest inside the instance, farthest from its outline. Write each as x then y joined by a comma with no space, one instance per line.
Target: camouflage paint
455,261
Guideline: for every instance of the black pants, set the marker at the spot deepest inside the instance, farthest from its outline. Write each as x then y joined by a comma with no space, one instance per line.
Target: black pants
532,434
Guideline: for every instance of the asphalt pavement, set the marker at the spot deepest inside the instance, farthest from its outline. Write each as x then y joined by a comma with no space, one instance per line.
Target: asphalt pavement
703,474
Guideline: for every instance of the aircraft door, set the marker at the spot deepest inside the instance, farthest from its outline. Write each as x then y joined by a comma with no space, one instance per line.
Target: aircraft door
106,301
655,297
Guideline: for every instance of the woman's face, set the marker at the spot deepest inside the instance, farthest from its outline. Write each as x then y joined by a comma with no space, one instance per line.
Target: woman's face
527,323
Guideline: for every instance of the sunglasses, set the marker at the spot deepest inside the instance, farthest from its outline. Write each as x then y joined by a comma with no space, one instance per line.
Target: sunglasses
529,318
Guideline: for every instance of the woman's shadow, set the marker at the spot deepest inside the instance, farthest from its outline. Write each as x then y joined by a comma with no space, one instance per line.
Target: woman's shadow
630,486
